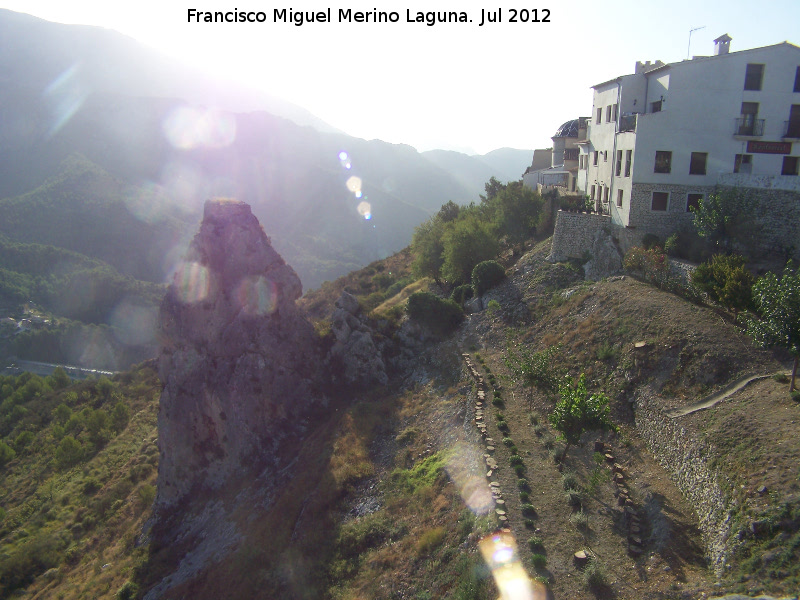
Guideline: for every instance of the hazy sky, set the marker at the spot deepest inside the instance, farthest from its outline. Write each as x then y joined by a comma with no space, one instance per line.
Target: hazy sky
457,86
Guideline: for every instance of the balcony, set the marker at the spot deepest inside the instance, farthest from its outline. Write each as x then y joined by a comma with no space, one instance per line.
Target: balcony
791,129
627,123
748,126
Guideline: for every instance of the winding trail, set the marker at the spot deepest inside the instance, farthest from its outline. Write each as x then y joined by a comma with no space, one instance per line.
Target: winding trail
716,397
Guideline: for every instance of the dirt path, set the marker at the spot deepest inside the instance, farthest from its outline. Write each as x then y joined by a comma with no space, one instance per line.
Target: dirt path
713,399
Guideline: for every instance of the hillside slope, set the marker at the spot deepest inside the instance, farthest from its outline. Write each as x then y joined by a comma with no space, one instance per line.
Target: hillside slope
384,495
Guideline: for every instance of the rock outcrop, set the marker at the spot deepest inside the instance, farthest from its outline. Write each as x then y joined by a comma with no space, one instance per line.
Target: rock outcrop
239,363
355,349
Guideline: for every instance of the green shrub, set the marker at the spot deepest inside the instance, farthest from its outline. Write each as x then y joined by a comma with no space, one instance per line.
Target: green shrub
493,306
528,510
430,540
128,591
523,485
7,454
515,460
594,576
486,275
507,441
520,470
539,561
524,497
573,497
439,315
461,294
569,479
535,543
580,519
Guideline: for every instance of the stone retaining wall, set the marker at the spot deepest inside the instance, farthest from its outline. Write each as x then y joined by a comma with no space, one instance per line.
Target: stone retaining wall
575,233
688,462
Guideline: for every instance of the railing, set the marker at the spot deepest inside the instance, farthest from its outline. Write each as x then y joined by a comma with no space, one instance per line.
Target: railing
791,129
627,123
748,126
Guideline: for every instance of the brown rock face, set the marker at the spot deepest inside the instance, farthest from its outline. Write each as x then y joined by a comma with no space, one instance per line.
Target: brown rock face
240,365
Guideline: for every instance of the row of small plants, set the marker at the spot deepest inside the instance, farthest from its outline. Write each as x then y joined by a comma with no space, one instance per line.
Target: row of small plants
539,557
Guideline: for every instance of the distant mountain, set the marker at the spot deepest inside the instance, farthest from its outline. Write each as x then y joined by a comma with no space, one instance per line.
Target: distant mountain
68,90
510,161
505,164
54,59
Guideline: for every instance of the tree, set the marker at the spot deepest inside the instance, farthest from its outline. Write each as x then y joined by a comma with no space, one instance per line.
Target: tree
725,218
438,315
467,242
577,411
7,454
726,281
518,210
777,303
493,187
486,275
426,244
69,452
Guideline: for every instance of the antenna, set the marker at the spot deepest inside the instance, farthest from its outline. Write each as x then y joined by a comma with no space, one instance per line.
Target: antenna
691,31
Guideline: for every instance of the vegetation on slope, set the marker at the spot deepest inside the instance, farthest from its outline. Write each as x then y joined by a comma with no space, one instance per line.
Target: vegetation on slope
78,483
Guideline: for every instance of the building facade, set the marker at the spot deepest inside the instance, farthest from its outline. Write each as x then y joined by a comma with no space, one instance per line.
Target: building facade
561,167
664,137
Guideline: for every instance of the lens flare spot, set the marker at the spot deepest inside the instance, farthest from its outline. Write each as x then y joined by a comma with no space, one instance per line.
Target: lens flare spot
257,295
64,97
343,156
464,467
188,128
365,210
135,324
191,282
500,553
354,184
359,194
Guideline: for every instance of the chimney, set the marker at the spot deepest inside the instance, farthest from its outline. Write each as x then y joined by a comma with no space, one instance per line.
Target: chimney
722,44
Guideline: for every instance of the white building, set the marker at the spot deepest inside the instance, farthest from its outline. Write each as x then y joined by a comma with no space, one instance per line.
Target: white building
558,166
665,136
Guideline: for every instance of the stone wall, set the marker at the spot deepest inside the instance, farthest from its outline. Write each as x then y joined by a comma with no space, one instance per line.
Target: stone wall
661,223
776,210
688,461
575,234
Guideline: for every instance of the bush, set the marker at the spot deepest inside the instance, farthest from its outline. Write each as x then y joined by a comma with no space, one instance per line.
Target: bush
7,454
486,275
523,485
594,576
569,480
128,591
524,497
580,519
726,281
462,293
520,470
573,497
539,561
431,311
508,442
535,543
528,510
430,540
69,452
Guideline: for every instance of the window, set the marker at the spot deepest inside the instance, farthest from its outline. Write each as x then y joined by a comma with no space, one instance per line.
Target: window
793,125
596,155
790,165
748,122
619,198
605,155
753,76
618,166
615,112
697,164
592,196
608,113
660,201
600,114
628,160
605,194
663,162
797,80
743,163
655,106
693,201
